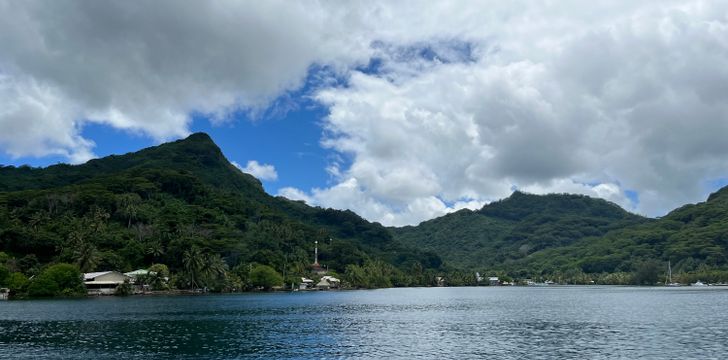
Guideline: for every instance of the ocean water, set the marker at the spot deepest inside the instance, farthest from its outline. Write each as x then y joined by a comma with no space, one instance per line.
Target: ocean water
588,322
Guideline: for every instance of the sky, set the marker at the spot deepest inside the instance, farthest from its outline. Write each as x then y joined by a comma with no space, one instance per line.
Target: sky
400,111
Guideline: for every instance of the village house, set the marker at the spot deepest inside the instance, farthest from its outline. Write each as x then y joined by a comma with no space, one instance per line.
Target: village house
328,282
104,282
137,273
134,276
493,281
305,284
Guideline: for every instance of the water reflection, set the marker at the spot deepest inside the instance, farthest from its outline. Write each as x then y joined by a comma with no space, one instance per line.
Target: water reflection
509,323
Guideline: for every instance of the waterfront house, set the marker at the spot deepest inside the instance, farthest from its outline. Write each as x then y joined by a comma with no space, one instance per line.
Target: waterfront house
493,281
4,293
137,273
328,282
306,284
103,282
139,286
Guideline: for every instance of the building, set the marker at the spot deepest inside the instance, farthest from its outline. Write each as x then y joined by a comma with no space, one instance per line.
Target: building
104,282
493,281
305,284
137,273
139,287
328,282
316,268
4,293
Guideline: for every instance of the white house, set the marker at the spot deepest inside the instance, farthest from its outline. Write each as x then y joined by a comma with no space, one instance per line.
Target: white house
305,284
104,282
493,281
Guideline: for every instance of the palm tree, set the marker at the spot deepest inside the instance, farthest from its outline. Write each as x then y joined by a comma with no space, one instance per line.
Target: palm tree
154,249
214,268
128,205
86,256
193,262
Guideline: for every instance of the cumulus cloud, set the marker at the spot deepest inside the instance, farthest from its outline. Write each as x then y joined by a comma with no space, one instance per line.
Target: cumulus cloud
432,106
601,102
145,67
260,171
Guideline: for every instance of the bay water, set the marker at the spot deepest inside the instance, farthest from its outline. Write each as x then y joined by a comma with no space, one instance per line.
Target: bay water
555,322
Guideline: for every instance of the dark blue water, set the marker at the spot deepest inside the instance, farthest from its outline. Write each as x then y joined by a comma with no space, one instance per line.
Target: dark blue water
427,323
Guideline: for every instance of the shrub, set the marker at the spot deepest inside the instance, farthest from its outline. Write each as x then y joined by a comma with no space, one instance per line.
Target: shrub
59,279
265,276
43,286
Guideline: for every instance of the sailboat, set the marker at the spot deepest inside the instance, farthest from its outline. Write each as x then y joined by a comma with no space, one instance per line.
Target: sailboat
668,280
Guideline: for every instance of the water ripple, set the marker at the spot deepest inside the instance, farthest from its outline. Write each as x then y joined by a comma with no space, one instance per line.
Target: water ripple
449,323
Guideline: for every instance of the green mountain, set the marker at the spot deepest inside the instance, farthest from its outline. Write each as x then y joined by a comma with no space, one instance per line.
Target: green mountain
579,238
694,238
514,228
130,211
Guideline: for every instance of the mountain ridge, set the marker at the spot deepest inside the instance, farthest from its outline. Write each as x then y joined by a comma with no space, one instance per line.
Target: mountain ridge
197,151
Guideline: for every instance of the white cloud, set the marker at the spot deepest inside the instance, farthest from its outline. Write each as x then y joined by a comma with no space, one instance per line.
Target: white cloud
295,194
465,101
146,67
261,171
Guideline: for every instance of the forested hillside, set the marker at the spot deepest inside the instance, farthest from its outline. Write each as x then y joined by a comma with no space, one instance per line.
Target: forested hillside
515,227
694,238
578,239
182,204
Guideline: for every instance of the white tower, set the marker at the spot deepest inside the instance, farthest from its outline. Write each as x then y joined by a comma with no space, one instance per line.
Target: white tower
315,254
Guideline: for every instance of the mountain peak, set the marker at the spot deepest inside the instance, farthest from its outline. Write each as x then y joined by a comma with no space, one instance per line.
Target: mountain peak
520,205
197,154
720,194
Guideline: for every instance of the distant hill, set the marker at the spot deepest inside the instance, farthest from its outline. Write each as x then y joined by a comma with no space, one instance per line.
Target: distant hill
124,212
694,238
550,235
516,227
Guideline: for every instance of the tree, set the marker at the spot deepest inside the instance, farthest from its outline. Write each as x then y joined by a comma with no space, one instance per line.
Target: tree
17,282
67,276
154,249
158,275
646,273
4,275
192,260
124,289
265,276
213,271
59,279
86,256
43,286
128,205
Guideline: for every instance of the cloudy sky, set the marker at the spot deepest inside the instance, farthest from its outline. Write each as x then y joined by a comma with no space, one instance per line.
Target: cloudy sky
400,111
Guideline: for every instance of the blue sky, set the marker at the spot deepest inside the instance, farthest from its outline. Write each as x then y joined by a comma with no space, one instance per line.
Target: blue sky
400,113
